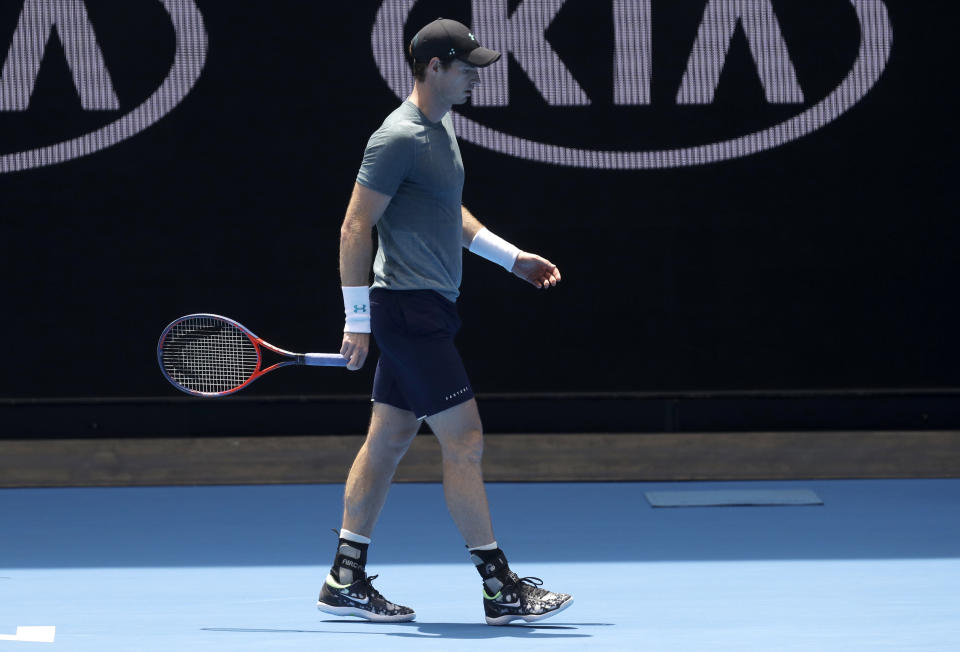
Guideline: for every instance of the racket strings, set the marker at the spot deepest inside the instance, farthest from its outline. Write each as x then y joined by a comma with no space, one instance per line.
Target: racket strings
205,354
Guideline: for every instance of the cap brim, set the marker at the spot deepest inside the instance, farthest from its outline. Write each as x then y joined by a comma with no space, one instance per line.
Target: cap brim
481,57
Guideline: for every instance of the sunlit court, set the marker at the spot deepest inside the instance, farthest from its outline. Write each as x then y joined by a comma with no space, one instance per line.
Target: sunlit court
874,567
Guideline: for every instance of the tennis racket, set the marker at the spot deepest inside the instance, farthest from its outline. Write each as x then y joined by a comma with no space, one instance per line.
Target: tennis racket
210,355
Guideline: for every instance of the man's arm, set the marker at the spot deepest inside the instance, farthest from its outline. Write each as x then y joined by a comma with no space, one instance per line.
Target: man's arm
356,255
534,269
471,226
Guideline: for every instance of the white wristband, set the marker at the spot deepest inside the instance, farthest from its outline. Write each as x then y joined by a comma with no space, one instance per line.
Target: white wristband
494,248
356,305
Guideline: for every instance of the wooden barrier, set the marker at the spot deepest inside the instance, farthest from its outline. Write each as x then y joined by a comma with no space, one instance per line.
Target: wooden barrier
507,458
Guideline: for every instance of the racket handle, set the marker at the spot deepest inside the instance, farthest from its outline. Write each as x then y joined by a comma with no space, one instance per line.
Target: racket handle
324,360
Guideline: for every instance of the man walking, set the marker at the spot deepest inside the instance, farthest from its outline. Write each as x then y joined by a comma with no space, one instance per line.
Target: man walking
409,187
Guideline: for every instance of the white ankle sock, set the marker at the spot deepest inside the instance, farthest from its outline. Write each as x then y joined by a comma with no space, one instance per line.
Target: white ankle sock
353,536
489,546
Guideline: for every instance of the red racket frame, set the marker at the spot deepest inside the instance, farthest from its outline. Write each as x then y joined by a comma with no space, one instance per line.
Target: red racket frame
310,359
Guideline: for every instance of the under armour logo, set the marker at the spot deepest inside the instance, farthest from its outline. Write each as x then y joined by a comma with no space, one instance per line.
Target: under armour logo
359,308
472,37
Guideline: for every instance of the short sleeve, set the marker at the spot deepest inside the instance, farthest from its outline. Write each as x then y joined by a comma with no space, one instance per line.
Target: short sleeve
387,160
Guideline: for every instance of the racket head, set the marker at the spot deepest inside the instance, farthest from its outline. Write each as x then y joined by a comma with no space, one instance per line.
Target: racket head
208,355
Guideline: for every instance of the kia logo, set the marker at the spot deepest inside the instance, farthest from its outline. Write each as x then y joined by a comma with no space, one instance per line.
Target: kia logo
42,20
522,33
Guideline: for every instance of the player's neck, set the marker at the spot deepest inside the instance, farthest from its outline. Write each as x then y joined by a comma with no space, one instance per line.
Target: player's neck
428,103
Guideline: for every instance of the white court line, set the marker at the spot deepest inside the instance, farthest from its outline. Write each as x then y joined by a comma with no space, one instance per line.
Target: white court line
40,634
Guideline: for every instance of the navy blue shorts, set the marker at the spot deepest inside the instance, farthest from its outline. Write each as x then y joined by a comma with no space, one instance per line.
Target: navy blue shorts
419,369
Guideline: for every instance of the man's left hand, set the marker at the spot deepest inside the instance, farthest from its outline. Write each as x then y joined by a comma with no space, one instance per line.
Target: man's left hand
536,271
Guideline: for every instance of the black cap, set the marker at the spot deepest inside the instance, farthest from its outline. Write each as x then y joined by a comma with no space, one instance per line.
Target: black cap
447,39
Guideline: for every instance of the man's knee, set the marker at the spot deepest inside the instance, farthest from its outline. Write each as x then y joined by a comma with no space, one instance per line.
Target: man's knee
391,432
390,444
460,432
463,447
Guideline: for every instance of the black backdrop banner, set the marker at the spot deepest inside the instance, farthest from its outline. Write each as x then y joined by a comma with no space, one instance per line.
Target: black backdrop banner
740,194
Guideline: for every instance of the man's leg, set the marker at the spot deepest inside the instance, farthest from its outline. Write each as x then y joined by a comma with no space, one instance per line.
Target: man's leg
507,597
388,438
347,590
461,442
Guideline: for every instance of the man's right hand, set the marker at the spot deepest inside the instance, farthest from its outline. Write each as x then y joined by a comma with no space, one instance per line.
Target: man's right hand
355,348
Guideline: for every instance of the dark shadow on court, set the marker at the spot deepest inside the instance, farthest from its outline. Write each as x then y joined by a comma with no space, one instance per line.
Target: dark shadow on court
465,631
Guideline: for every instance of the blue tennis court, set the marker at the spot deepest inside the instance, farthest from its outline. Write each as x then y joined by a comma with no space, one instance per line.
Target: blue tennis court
875,567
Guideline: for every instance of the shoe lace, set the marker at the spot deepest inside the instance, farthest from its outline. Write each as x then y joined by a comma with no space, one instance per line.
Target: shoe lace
365,581
534,583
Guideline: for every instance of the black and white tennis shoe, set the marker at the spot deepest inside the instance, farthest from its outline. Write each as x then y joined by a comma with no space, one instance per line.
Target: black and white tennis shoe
522,598
360,599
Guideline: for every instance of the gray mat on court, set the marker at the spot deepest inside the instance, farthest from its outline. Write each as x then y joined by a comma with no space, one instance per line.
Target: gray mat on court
742,498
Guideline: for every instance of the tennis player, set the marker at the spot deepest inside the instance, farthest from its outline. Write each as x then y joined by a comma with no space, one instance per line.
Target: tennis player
409,187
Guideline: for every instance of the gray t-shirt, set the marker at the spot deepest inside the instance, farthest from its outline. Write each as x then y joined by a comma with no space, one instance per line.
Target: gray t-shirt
417,163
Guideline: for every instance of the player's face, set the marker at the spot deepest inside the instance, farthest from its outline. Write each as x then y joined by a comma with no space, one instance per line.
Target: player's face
458,81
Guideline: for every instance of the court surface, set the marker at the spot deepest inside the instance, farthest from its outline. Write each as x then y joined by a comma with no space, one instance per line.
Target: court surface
876,567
